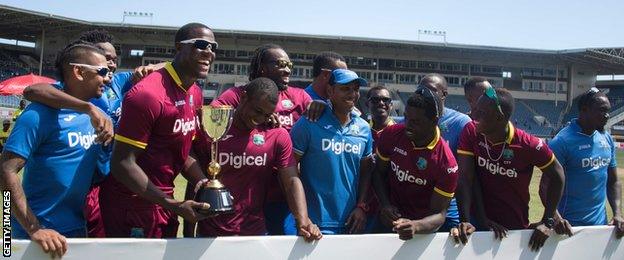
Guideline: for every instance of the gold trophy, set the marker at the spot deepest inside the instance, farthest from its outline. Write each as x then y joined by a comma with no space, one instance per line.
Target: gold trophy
216,121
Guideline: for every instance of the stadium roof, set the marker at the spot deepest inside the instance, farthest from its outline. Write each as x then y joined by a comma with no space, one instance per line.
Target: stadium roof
27,25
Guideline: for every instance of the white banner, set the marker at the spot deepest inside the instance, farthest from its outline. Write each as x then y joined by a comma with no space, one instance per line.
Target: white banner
587,243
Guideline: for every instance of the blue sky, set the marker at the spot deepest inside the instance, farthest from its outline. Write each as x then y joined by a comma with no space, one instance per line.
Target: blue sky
546,24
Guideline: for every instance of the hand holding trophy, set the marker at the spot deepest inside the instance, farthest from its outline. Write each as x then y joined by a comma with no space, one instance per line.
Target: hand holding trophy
216,121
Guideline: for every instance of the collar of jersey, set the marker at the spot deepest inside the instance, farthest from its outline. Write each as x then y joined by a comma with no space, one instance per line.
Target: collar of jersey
433,142
577,128
354,114
174,75
510,133
390,122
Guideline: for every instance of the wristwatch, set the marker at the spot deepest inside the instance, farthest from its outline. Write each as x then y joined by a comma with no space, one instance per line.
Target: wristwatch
363,207
549,222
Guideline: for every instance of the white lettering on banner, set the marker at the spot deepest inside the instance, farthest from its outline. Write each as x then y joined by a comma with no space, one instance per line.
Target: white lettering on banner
595,163
286,119
340,146
76,138
588,243
405,175
494,168
238,161
184,125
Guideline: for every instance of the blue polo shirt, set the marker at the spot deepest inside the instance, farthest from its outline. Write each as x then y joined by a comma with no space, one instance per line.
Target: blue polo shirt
61,158
113,95
313,93
585,160
330,165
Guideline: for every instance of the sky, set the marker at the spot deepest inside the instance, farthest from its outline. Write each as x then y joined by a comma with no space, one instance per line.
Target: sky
545,24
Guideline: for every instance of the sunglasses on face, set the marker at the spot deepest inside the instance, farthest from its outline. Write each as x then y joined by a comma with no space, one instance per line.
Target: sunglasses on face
283,64
490,92
427,93
202,44
384,100
100,70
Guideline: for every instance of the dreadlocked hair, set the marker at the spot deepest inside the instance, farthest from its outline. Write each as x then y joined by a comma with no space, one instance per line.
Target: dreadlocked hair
258,59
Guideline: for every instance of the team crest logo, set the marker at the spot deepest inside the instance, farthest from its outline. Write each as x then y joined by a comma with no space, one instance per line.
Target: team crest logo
355,129
286,103
508,154
110,93
421,163
258,139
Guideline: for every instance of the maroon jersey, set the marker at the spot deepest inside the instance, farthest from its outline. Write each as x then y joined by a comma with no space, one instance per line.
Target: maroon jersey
416,172
248,159
291,104
504,172
159,117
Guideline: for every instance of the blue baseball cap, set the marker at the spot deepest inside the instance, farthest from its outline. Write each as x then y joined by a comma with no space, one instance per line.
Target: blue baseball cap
344,77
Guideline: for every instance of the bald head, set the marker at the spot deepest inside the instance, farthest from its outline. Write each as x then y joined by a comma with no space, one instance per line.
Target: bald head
437,84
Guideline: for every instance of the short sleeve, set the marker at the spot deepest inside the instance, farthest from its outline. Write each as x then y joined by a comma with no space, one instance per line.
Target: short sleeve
306,99
124,81
613,163
467,139
368,149
284,156
141,110
230,97
448,174
559,149
300,136
384,145
542,156
25,136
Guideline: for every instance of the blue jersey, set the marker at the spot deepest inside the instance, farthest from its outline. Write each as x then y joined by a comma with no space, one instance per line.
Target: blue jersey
61,157
113,95
313,93
330,165
585,160
451,124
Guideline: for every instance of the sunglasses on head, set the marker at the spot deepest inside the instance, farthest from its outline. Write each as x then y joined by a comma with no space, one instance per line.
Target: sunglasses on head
283,64
202,44
427,93
384,100
490,92
593,90
101,70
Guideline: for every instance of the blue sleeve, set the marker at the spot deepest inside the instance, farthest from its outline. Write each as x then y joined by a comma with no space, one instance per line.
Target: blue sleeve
369,145
103,163
25,136
558,147
613,150
300,136
124,81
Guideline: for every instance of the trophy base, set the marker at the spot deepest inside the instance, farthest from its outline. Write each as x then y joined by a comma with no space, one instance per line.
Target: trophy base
219,199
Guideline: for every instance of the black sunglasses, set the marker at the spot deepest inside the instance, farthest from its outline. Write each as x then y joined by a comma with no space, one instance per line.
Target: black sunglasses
385,100
282,64
427,93
202,44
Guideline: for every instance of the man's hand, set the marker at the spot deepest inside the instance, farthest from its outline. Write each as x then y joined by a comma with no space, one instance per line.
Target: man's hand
539,236
563,227
315,110
142,71
389,214
618,222
102,124
500,232
356,221
51,241
405,228
308,230
461,233
188,210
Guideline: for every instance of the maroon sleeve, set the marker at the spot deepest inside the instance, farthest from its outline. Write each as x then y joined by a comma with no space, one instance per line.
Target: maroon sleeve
385,142
284,153
541,154
230,97
141,109
448,174
467,139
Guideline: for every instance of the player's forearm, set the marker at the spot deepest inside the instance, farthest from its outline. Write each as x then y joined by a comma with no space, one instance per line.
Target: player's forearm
295,197
192,171
133,177
22,213
431,223
553,195
365,181
614,195
52,97
381,190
